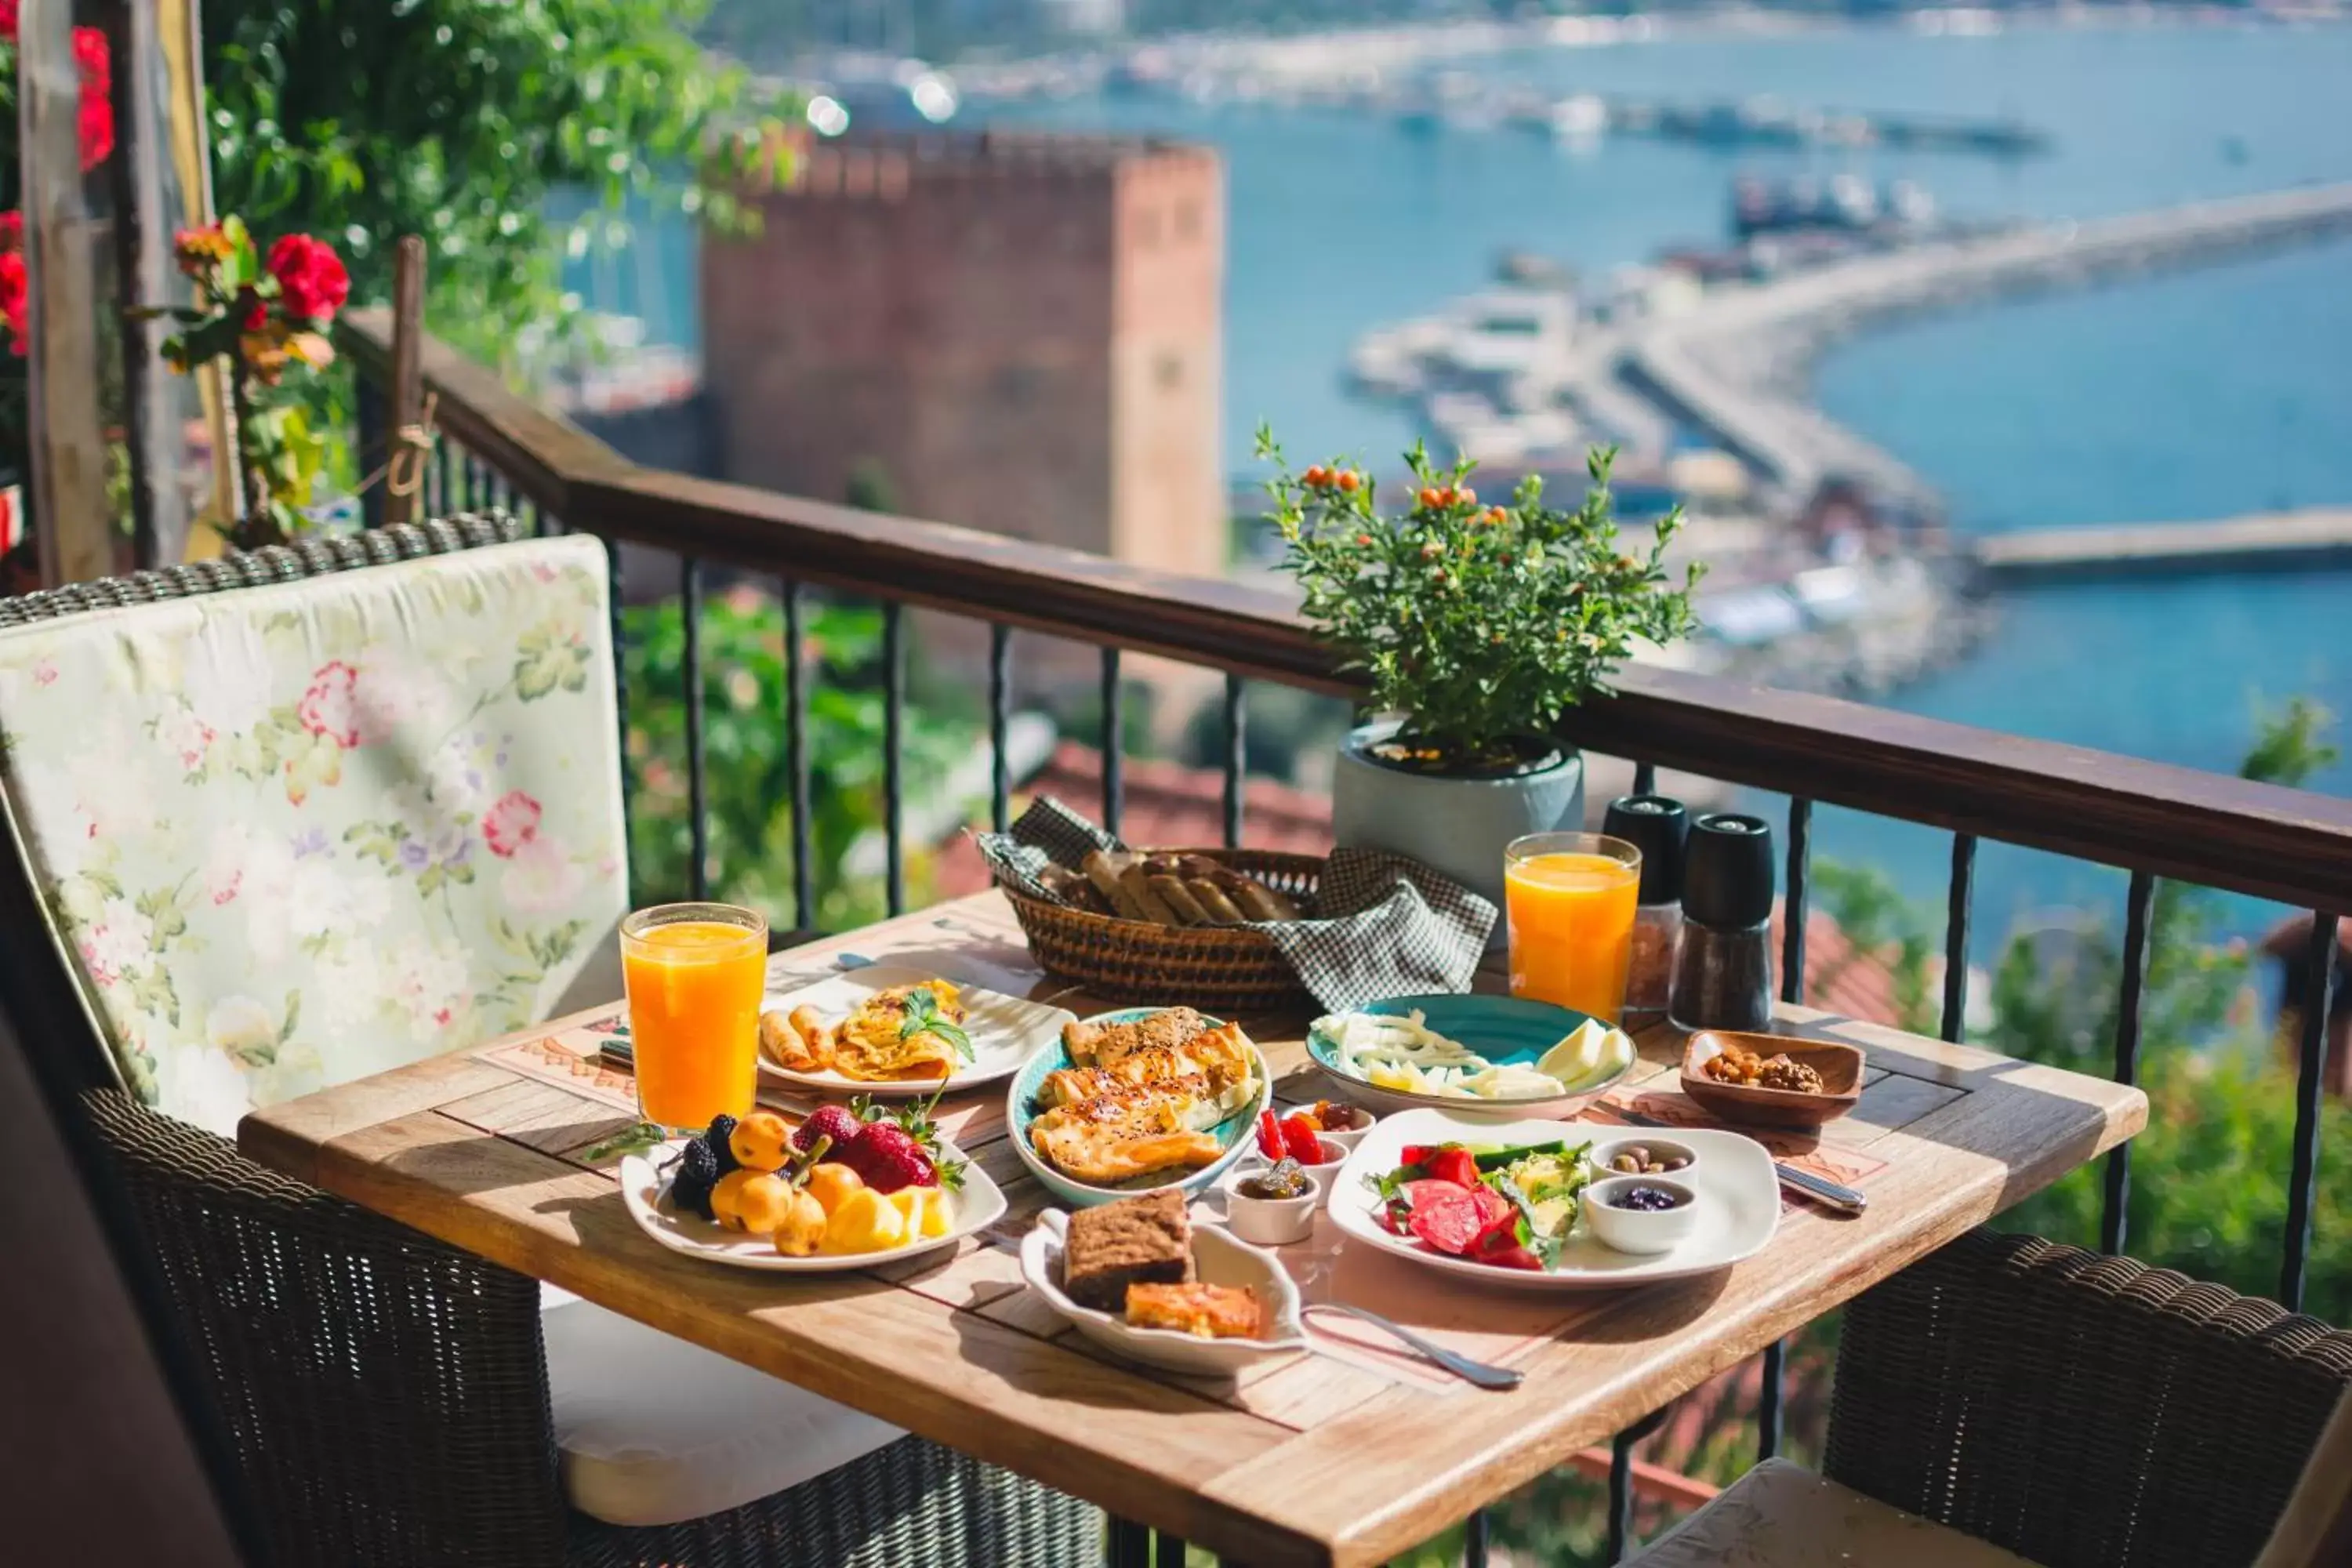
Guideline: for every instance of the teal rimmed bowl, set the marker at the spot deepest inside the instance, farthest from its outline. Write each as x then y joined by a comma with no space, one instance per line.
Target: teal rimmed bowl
1508,1031
1234,1133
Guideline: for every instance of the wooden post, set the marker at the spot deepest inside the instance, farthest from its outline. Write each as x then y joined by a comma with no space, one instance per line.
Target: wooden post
403,467
73,526
144,277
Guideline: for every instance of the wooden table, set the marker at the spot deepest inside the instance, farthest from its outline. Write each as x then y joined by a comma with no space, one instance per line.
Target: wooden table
1313,1461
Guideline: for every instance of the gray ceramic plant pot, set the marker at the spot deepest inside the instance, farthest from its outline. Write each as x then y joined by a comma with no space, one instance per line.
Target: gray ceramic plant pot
1456,826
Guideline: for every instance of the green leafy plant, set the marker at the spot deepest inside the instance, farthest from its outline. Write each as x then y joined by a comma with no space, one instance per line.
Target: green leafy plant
457,119
261,321
1480,624
924,1017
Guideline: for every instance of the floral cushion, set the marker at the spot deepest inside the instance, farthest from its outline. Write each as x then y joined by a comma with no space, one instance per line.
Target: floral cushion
299,833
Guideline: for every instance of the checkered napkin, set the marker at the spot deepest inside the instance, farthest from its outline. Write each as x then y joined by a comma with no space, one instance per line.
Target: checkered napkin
1383,925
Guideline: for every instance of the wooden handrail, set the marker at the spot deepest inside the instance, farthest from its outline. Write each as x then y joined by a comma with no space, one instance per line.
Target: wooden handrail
2295,846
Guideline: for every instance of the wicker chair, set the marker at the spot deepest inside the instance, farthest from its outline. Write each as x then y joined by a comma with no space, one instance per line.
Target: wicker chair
387,1399
2009,1398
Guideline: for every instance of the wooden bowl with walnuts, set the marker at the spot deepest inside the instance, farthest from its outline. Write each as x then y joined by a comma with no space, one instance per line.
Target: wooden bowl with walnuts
1771,1080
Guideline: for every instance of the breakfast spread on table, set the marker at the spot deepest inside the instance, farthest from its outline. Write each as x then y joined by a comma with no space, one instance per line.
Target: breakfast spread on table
847,1179
895,1035
1141,1095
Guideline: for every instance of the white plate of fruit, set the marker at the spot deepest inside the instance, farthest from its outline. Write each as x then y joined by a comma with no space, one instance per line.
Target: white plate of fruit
844,1189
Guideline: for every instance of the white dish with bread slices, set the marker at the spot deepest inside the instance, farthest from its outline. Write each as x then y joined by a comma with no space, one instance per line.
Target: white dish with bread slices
895,1029
1211,1343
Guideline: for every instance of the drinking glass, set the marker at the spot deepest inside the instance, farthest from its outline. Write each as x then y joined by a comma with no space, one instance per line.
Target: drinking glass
695,974
1570,898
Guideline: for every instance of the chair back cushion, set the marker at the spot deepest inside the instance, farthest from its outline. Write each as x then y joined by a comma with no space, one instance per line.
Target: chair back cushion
298,833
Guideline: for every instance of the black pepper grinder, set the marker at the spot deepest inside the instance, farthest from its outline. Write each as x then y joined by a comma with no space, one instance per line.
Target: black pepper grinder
1656,825
1723,974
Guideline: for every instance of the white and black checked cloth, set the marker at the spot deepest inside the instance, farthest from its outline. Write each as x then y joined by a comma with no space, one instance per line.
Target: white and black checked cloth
1383,925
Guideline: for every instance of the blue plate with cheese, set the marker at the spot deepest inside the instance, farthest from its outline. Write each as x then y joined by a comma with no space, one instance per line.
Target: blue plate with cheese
1471,1054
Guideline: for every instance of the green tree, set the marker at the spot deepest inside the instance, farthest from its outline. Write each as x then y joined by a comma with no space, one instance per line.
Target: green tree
456,119
2209,1177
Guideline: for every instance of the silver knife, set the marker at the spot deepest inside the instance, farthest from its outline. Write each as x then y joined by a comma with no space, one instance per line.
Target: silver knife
1843,1199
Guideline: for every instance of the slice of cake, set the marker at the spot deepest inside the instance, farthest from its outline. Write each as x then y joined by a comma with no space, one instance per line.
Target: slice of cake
1145,1239
1210,1311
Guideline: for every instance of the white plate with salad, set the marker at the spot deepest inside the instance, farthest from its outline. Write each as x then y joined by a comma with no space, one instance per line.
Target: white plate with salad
1527,1232
1502,1056
908,1018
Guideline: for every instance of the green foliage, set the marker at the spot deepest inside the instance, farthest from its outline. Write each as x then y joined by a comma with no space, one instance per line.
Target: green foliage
2209,1177
1481,623
749,777
455,119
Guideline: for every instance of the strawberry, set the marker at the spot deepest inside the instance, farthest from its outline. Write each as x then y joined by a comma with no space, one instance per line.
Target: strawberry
887,1157
832,1122
900,1147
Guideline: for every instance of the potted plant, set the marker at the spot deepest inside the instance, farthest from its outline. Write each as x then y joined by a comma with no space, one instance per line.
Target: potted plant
1476,626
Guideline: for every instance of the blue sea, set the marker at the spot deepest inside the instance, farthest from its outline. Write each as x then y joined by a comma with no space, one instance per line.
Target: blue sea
2190,394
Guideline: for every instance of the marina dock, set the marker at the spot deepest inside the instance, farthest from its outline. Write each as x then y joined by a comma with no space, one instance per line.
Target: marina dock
1730,365
2265,542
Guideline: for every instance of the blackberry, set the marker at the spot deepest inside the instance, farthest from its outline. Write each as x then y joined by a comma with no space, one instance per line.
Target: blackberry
714,1138
698,1173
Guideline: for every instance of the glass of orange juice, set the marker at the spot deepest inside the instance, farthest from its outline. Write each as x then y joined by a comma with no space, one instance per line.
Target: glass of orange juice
1571,898
695,974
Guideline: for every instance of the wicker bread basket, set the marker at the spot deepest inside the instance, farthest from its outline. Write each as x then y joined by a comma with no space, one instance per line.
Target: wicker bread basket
1219,969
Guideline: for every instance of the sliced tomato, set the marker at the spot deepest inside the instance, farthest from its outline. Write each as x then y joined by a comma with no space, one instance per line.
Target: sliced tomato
1427,1191
1415,1154
1448,1224
1452,1164
1269,1135
1302,1140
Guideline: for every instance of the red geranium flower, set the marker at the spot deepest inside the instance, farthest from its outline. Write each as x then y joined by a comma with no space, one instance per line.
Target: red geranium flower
257,317
512,823
310,278
8,18
13,304
95,123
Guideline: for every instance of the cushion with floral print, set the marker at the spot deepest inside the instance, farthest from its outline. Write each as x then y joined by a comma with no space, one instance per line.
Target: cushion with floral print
299,834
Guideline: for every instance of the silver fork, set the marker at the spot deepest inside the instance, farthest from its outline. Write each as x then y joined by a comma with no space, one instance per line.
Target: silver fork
1476,1372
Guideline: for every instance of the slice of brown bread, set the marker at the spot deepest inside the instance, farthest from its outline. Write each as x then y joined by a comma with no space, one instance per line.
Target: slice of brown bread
1143,1239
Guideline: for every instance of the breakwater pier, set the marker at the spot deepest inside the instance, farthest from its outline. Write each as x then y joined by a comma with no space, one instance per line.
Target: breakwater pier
2265,542
1732,365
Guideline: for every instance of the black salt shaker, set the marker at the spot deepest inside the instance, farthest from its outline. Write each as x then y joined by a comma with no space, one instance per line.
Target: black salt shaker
1723,971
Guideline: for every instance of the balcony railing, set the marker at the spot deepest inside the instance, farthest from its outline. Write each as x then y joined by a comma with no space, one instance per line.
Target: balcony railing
2146,818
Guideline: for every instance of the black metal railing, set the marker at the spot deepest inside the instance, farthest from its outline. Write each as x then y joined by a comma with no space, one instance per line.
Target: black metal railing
2144,818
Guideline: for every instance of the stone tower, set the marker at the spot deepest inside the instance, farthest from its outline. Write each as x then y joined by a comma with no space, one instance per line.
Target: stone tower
1018,332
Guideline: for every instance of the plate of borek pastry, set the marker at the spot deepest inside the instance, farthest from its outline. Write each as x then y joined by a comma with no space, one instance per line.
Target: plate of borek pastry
1135,1100
888,1029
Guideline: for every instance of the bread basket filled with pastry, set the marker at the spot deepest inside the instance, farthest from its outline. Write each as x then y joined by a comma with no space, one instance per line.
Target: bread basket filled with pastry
1232,930
1170,925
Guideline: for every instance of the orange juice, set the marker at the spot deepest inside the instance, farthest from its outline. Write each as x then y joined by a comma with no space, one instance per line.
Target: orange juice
695,986
1571,914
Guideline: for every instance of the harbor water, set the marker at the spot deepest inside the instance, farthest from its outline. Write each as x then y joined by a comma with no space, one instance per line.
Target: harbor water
2206,392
